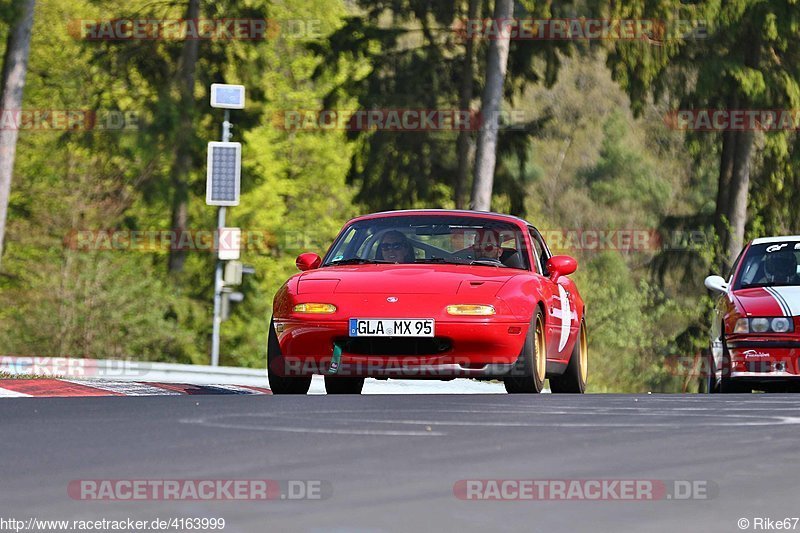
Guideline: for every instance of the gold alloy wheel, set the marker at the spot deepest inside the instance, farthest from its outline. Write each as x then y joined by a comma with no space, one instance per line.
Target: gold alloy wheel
584,355
541,357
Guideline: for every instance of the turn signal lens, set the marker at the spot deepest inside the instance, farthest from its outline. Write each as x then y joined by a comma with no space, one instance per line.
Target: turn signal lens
469,309
742,326
315,308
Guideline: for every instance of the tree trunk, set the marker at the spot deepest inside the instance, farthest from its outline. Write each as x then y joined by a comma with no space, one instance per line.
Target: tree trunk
721,222
184,137
739,190
486,154
15,67
465,143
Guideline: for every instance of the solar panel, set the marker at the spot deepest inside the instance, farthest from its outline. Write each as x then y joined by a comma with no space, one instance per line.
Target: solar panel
223,178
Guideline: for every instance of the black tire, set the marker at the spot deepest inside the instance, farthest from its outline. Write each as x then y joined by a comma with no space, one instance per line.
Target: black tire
279,383
343,385
573,380
712,383
527,376
728,385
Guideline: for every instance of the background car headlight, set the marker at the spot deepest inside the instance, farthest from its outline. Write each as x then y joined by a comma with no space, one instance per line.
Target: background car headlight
315,308
764,325
470,309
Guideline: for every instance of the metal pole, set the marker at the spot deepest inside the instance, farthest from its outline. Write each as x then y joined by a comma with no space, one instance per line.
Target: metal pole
218,285
217,297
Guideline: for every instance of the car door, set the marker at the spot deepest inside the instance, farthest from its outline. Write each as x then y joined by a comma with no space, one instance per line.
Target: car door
561,322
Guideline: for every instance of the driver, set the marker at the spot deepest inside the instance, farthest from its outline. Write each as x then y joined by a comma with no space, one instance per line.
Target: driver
781,266
487,245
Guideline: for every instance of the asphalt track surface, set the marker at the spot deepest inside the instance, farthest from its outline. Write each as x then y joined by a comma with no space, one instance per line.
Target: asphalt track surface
392,461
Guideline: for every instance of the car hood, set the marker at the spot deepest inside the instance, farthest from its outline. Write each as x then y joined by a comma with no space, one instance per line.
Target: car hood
769,301
406,279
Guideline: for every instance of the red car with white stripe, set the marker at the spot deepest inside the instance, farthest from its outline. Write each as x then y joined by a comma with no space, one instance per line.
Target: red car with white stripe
755,331
434,294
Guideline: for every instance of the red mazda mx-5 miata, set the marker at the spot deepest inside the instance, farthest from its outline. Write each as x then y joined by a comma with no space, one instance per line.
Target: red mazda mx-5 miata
755,340
434,294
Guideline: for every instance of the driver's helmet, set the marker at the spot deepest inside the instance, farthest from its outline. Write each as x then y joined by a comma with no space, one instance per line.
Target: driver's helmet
781,264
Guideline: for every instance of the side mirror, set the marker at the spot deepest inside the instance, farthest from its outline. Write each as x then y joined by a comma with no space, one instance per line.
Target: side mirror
561,265
308,261
716,283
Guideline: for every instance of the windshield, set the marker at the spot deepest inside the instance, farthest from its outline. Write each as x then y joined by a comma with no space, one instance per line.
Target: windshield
770,264
431,239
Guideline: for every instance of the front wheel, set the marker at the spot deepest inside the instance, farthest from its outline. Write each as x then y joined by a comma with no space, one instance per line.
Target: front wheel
528,373
279,382
573,380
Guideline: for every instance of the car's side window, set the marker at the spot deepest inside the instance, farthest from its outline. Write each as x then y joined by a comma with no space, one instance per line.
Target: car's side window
540,252
735,265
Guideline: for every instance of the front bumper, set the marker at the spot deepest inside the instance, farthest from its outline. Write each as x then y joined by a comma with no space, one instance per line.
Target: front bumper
463,348
761,359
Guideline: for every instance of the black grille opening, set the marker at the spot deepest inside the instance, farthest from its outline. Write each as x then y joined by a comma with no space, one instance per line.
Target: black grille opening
395,345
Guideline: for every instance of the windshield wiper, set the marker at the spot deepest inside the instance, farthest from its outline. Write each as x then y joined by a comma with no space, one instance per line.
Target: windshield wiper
488,262
439,260
359,261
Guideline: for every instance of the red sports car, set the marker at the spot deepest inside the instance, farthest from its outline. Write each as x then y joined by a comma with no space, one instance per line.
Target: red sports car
434,294
754,332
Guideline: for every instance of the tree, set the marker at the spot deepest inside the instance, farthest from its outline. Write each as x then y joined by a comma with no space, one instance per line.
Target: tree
465,144
15,68
183,159
486,155
411,54
748,60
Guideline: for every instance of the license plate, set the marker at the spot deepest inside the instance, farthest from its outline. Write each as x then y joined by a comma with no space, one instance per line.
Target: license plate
391,327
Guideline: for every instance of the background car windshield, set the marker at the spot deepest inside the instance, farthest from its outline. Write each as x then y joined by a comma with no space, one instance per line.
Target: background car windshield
770,264
408,239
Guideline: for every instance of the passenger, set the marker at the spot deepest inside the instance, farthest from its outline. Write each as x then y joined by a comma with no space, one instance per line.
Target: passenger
395,247
487,245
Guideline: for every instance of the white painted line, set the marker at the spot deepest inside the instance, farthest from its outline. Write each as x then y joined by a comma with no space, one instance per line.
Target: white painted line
6,393
127,388
236,389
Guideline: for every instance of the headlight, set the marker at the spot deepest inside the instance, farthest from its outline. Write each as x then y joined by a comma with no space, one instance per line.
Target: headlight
315,308
470,309
781,325
764,325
